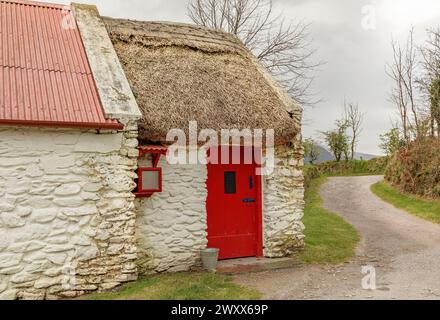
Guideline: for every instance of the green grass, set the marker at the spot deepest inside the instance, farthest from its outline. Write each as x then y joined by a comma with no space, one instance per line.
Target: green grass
425,209
181,286
329,238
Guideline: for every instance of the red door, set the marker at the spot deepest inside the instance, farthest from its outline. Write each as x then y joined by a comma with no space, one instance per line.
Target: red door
234,207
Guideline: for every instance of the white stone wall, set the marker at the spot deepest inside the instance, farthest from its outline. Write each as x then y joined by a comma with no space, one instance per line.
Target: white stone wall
67,217
171,225
283,202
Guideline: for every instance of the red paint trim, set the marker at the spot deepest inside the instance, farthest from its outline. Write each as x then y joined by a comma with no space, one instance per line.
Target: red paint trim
143,194
147,191
59,124
154,150
156,159
259,184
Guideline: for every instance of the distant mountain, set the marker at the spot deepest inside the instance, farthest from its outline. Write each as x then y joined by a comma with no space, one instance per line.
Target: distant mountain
364,156
325,155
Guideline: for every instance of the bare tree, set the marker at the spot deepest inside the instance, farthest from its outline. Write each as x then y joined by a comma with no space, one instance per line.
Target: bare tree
431,79
354,118
284,48
402,72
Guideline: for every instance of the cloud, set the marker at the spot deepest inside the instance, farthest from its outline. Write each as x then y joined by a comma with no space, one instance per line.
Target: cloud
355,58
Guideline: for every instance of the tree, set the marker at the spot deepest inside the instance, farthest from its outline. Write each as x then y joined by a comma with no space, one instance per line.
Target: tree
311,151
354,119
338,141
282,47
391,141
402,72
430,81
435,106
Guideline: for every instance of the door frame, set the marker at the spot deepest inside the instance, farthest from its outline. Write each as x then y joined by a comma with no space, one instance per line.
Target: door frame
259,198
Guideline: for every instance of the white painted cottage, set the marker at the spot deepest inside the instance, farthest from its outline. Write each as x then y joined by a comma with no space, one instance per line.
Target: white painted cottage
89,196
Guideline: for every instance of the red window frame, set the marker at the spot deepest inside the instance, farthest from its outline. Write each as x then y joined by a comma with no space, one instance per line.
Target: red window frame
141,190
156,152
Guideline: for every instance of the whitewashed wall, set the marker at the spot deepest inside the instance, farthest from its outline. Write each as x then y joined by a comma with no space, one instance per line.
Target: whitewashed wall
283,202
67,217
171,225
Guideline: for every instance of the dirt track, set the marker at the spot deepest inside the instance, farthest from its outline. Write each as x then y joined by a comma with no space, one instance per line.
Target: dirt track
403,249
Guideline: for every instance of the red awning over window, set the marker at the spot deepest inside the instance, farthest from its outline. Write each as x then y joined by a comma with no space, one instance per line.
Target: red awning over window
45,77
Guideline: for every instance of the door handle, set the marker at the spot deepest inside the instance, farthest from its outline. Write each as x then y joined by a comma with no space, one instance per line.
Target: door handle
249,200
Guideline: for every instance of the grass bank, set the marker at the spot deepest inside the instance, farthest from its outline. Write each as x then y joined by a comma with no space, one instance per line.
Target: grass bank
329,238
425,209
181,286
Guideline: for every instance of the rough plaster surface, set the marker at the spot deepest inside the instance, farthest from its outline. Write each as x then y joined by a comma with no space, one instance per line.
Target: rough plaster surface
67,217
283,202
114,90
171,226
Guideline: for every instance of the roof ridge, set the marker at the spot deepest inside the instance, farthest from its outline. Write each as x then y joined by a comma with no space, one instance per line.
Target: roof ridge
37,4
172,23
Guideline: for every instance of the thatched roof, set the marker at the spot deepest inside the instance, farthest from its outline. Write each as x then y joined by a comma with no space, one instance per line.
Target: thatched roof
180,73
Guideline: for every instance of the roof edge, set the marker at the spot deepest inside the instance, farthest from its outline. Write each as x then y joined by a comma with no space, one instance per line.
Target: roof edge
63,124
37,4
291,106
116,96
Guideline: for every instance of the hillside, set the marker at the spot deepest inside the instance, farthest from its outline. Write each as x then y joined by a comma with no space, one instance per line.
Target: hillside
325,155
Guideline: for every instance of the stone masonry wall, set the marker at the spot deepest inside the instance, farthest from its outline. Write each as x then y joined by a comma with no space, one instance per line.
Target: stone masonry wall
283,202
171,225
67,219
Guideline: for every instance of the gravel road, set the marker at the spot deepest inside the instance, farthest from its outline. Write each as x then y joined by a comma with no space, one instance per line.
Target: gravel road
403,250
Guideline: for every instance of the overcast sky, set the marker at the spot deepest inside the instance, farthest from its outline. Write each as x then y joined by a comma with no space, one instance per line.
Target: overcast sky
351,36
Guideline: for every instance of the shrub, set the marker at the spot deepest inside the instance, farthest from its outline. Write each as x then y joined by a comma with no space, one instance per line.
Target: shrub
416,169
355,167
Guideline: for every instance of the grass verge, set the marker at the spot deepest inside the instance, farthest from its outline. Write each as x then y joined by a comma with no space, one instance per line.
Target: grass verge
181,286
425,209
329,238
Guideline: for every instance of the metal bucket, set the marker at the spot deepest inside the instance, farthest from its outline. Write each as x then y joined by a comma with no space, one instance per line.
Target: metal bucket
209,258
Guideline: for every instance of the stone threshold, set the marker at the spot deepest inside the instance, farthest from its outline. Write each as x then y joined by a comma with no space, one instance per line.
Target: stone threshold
253,265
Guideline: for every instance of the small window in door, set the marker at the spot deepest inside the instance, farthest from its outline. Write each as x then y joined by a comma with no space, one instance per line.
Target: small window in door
230,183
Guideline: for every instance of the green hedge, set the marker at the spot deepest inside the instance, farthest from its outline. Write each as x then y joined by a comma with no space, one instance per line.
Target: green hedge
416,169
345,168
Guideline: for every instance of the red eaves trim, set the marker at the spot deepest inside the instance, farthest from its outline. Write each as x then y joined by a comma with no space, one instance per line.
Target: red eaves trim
86,125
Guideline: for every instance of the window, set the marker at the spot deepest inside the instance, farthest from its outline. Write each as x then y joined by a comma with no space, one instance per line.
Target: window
149,180
230,183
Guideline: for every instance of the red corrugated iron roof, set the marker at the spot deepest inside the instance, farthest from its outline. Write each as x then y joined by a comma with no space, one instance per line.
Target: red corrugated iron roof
45,77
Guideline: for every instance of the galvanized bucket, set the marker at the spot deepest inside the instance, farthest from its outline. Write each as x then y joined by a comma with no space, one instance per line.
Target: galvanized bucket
209,258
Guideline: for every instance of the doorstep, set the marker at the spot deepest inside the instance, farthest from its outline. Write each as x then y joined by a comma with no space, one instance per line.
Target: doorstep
249,265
